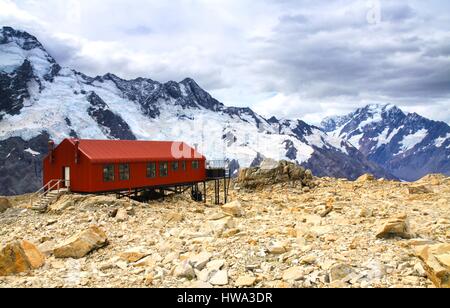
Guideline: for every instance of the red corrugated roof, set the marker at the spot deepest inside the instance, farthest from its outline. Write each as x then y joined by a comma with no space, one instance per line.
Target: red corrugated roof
101,151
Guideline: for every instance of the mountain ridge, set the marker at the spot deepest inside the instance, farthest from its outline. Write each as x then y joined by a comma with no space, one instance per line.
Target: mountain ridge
407,145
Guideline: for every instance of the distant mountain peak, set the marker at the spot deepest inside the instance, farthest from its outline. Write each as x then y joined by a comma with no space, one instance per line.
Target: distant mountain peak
406,144
25,40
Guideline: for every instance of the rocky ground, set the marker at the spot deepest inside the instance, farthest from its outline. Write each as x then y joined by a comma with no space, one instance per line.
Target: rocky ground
368,233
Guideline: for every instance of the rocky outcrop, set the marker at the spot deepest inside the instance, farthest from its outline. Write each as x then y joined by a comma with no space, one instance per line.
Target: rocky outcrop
275,173
365,178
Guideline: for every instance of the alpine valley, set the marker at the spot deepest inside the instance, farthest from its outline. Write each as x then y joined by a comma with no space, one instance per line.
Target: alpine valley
42,101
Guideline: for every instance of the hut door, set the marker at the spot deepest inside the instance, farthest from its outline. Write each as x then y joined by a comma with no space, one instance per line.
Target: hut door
67,177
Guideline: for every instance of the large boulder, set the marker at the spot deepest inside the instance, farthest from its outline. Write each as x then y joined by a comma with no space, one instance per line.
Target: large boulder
436,259
396,227
271,173
4,204
81,244
18,257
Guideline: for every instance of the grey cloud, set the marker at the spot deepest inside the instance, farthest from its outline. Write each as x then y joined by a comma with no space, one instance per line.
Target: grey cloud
330,58
397,12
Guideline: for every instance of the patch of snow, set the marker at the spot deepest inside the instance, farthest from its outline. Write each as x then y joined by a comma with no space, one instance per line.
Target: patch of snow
441,140
321,140
355,140
373,118
183,90
9,154
410,141
32,152
389,107
386,136
13,56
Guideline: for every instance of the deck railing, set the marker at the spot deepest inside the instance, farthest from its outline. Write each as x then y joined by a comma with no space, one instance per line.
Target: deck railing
50,186
217,164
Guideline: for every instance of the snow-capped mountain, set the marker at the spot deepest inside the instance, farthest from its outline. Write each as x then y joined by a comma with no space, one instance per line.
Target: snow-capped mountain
407,145
40,100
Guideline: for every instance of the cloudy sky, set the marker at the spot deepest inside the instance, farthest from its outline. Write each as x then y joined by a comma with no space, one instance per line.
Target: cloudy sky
291,58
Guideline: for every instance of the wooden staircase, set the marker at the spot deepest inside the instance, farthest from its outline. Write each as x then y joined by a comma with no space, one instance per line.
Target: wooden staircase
48,194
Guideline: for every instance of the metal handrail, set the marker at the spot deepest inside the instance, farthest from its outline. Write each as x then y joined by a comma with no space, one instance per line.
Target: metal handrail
217,164
46,188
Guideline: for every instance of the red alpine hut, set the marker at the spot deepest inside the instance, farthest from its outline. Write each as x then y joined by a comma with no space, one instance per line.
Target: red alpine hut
100,166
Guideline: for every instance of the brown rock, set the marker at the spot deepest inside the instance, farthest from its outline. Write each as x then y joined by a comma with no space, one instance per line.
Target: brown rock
340,271
148,262
81,244
418,189
245,281
174,217
277,248
47,247
4,204
436,259
134,254
35,257
121,215
149,279
365,212
233,208
230,233
219,278
18,257
221,225
184,270
293,274
199,261
326,209
271,173
397,227
366,178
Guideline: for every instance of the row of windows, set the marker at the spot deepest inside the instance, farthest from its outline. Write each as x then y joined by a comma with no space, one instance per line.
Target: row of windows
124,170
